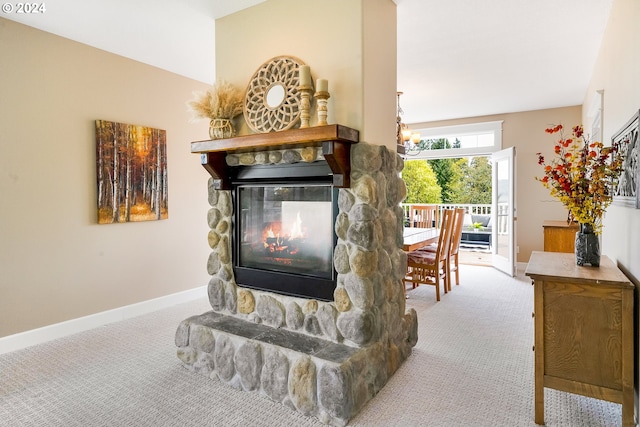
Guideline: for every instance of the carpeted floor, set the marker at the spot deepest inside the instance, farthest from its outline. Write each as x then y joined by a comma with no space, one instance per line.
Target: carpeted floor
472,366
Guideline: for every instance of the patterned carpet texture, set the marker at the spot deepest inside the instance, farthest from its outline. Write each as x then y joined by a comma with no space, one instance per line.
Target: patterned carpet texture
472,366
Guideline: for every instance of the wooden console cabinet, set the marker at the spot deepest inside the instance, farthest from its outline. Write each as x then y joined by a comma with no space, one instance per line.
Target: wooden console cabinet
583,319
559,236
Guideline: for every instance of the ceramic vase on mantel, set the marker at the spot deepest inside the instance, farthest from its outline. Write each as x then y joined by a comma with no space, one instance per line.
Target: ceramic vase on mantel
587,246
221,129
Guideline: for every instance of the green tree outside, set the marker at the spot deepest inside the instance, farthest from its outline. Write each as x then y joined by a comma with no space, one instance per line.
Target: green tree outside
474,185
457,180
421,181
437,144
445,169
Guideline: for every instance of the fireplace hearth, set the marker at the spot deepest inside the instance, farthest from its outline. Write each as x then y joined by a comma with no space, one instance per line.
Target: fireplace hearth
276,218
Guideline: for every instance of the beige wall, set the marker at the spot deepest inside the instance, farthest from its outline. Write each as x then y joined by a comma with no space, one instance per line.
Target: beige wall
617,72
56,263
379,80
525,132
348,42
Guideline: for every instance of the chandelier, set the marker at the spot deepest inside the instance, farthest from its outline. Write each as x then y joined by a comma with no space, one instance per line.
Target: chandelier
406,139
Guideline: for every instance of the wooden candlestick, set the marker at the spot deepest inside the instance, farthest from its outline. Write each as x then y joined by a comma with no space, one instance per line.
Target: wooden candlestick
321,99
305,105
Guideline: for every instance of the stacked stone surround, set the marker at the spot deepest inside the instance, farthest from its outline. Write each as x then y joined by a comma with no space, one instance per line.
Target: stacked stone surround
323,359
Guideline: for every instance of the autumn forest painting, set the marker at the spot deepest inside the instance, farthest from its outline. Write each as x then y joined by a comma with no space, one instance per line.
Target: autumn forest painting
131,172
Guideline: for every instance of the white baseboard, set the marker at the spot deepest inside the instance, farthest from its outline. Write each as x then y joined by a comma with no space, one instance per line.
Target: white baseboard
73,326
521,266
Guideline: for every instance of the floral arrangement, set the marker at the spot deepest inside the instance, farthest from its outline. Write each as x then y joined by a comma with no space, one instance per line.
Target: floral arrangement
222,101
582,176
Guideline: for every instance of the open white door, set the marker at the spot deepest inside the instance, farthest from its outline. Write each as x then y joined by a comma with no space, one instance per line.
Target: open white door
503,211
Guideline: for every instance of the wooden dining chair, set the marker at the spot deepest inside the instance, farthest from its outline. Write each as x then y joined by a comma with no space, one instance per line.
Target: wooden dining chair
456,237
454,249
423,216
426,267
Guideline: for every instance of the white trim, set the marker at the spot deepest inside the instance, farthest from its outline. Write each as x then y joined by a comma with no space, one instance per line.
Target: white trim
594,116
494,127
503,169
69,327
596,104
521,266
465,129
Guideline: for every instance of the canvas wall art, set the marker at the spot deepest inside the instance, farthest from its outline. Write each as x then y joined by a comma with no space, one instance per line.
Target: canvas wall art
626,192
131,173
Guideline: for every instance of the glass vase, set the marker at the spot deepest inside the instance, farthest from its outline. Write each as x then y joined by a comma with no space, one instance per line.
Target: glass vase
587,246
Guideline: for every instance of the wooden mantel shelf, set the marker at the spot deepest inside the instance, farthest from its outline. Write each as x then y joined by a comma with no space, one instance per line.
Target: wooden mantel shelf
335,141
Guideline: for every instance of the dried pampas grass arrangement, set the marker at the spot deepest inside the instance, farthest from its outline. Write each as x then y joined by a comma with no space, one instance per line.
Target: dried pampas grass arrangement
222,101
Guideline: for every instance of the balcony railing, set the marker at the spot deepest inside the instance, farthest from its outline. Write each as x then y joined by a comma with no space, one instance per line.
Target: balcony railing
472,236
470,208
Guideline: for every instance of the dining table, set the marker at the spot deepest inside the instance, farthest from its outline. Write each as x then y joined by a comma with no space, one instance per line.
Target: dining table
416,237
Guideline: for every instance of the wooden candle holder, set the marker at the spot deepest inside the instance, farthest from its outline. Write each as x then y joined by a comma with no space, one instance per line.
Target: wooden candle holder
305,105
322,99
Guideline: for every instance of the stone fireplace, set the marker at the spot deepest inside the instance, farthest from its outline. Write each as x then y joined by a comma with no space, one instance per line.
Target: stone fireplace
324,355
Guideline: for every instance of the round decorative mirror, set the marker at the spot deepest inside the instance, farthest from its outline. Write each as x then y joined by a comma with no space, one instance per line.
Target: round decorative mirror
275,95
272,102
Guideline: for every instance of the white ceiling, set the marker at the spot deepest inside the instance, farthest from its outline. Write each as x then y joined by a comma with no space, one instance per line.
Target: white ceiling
466,58
456,58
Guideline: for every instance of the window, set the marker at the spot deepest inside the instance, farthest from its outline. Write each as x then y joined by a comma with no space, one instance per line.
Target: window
475,139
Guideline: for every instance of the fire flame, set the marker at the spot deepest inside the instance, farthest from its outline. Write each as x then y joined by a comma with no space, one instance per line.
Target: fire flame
295,232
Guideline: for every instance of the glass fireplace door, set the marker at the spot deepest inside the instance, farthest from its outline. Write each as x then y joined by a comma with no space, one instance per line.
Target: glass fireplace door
286,228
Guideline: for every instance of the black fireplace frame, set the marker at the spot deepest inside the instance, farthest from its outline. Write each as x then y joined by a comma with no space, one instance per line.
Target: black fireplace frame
298,285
